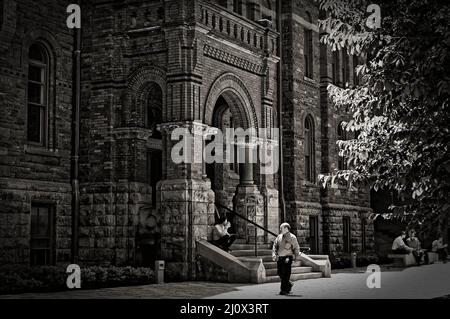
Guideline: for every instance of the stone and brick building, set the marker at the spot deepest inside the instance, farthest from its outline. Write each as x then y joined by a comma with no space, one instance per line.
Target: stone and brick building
147,68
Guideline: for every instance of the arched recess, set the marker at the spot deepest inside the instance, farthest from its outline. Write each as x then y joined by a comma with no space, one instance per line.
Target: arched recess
237,96
138,85
229,105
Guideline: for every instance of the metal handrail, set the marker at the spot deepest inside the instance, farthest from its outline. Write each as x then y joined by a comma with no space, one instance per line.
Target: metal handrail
251,222
247,220
302,249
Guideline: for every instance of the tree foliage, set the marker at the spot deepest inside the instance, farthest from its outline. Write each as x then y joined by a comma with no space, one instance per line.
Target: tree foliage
401,109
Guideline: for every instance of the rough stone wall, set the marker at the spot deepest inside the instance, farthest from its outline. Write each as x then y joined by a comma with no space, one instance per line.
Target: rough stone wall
33,174
333,230
304,96
301,98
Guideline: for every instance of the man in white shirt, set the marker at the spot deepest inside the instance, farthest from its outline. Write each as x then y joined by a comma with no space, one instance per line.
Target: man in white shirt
284,251
399,246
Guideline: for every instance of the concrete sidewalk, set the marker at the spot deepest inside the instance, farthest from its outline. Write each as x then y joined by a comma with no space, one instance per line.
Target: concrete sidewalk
427,282
424,282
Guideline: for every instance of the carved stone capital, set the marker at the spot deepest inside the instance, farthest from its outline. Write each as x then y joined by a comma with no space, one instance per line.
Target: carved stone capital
132,133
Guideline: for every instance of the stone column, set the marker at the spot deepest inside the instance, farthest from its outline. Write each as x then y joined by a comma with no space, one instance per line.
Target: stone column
248,201
185,200
269,166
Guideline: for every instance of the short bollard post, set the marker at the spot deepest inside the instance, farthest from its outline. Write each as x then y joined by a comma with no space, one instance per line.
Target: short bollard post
159,271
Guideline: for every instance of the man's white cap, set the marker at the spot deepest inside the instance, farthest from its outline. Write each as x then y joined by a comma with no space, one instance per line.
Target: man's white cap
285,225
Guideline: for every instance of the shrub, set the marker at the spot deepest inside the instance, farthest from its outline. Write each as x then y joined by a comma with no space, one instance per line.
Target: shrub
364,261
340,262
343,261
20,278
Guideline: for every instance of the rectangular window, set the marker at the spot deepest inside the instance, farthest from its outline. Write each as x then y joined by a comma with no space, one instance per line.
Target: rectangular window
346,234
342,163
335,68
363,235
355,74
223,3
308,53
42,242
314,234
237,6
154,171
345,68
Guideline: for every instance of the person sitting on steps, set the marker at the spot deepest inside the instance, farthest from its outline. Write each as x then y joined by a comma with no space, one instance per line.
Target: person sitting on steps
221,237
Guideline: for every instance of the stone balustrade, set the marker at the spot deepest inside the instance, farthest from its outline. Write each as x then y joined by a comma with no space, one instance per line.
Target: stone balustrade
233,26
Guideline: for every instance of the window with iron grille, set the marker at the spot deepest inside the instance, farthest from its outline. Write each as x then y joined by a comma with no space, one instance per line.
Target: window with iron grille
42,239
363,235
346,234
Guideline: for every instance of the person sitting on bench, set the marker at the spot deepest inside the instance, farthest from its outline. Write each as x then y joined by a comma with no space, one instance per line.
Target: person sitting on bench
414,243
399,246
438,247
221,237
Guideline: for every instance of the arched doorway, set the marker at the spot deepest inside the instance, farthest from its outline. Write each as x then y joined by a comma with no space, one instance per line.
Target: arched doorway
153,106
150,107
232,180
224,176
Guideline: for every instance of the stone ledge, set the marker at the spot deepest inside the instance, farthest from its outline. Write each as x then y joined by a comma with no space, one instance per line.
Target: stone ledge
238,272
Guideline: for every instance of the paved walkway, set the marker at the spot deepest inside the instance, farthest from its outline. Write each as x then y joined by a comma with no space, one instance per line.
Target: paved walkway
430,281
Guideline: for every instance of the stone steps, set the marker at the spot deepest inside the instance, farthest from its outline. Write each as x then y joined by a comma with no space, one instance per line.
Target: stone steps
246,253
295,270
267,258
294,277
251,253
270,265
250,247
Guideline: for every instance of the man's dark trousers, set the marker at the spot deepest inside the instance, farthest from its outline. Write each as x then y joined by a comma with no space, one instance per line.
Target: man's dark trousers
284,271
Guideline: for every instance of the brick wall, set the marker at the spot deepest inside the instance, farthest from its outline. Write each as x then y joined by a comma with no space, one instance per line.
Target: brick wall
32,174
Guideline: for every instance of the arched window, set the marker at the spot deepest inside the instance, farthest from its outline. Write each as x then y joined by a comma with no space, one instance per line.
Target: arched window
153,112
309,149
341,136
38,91
308,49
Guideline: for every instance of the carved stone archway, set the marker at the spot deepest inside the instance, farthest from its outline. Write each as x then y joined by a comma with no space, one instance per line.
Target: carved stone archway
237,96
137,87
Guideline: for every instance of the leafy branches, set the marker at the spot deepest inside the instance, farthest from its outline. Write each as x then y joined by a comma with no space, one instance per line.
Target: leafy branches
401,109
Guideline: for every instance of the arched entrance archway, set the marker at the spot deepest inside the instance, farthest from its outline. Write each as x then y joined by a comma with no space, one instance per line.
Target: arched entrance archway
233,181
148,105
